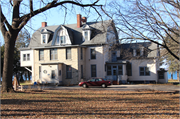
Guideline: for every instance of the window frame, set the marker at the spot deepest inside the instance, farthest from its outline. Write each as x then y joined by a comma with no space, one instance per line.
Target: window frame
63,39
92,75
68,54
68,72
91,53
43,38
40,55
53,52
81,53
24,57
144,71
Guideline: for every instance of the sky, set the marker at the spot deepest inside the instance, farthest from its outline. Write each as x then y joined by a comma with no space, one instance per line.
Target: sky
54,16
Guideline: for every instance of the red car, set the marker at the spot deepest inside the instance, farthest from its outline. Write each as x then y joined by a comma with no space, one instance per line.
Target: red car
95,82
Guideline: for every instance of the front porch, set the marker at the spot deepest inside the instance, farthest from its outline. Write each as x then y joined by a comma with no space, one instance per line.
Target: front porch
116,72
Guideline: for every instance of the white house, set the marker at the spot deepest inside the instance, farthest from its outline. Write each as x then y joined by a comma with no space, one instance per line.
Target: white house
66,54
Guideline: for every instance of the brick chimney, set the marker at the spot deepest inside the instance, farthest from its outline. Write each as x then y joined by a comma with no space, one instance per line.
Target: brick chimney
44,24
84,19
79,20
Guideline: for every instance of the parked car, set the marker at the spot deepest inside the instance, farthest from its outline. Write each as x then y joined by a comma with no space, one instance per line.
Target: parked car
95,82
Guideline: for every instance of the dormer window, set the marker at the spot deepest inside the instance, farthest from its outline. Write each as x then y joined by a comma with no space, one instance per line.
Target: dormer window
63,39
43,38
86,35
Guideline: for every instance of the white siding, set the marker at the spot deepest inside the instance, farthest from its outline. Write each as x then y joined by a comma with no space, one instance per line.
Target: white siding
29,62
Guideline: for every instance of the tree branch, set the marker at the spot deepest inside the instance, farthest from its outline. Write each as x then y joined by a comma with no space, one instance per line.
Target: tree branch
24,19
4,20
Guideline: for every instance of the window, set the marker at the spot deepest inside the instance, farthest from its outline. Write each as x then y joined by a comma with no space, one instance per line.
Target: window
68,72
63,39
39,72
120,71
144,71
59,72
134,52
81,71
41,54
142,52
28,57
86,35
68,53
57,40
53,75
93,53
93,70
137,52
161,75
81,53
129,69
109,70
24,57
53,54
43,38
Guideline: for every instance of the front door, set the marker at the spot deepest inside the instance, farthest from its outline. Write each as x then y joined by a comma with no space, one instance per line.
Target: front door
114,73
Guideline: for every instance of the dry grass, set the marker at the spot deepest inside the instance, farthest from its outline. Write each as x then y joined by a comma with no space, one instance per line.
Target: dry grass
89,104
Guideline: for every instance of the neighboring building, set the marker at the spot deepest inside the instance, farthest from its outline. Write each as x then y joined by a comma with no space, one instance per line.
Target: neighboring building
65,54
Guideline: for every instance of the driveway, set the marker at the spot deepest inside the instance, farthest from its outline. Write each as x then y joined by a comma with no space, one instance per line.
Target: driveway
136,87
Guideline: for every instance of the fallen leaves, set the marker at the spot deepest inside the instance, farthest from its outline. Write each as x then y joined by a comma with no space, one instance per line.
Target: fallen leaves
90,104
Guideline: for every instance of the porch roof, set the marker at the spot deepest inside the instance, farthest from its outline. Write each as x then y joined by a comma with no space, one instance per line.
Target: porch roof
51,63
120,62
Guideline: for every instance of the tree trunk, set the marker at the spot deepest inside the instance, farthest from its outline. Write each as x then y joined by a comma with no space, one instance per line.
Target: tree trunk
177,75
29,75
171,75
8,62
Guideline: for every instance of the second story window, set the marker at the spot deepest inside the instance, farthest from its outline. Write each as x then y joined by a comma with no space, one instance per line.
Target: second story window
93,53
26,57
81,53
68,53
41,54
53,54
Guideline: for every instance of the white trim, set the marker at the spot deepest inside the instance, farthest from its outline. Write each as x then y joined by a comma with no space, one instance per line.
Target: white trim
28,69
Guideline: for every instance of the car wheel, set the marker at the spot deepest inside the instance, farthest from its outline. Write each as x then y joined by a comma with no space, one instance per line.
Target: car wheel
84,86
104,85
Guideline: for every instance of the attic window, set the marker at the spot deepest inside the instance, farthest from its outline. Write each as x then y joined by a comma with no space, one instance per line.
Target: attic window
86,35
44,38
63,39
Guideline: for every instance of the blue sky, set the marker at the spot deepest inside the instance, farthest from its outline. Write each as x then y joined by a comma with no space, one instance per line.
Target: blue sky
54,16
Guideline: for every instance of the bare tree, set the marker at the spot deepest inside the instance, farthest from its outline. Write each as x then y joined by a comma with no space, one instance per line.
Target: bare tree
147,20
11,29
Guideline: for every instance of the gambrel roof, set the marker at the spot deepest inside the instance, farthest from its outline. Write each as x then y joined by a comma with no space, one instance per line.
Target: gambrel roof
98,34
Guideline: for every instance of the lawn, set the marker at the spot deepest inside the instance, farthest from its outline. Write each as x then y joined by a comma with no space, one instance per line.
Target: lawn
86,103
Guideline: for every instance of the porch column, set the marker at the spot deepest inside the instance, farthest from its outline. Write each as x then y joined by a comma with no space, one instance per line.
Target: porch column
124,69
